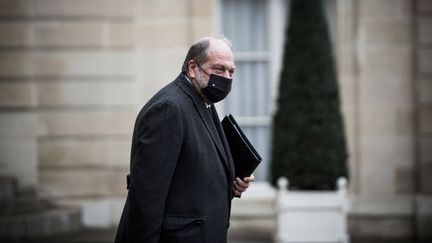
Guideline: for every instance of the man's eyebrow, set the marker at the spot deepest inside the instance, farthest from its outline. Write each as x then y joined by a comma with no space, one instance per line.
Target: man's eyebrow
222,65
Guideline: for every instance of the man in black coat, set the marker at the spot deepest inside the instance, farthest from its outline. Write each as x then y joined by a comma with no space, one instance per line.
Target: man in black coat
182,174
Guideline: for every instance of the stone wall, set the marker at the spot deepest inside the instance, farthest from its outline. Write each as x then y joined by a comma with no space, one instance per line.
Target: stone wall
383,73
73,75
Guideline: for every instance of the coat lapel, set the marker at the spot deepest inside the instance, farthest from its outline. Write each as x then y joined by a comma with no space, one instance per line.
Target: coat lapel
225,145
204,114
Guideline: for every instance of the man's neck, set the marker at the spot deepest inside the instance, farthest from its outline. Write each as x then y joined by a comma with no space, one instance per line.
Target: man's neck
207,104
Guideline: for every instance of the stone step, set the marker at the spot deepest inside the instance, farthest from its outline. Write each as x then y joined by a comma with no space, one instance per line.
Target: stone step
49,221
8,187
257,202
24,214
22,205
253,215
252,209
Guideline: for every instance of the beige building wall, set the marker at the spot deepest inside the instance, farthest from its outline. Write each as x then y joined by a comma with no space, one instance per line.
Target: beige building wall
73,75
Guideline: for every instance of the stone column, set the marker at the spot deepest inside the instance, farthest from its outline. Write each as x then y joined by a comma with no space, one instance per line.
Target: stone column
375,67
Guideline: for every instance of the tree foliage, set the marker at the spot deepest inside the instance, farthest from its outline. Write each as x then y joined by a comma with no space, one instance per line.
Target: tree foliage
308,135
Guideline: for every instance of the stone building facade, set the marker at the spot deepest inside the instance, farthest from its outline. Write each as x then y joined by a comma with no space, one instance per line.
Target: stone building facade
74,74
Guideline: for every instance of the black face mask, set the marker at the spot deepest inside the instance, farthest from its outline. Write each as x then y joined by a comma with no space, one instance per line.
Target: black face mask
218,87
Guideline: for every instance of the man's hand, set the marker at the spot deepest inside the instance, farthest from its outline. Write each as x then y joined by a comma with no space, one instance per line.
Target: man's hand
240,186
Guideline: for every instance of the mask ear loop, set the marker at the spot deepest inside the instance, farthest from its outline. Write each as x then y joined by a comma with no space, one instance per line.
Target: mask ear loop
202,69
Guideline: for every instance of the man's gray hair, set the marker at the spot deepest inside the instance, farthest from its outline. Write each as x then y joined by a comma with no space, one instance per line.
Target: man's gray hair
198,51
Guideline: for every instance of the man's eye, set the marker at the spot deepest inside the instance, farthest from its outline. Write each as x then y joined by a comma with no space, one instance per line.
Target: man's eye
220,69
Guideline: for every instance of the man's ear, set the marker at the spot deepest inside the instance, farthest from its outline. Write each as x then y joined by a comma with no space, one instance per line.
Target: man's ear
191,67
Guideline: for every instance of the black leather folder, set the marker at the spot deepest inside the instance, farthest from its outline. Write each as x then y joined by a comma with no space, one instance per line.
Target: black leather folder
246,158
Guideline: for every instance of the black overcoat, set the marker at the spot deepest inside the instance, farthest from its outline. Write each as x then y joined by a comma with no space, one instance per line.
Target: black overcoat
181,171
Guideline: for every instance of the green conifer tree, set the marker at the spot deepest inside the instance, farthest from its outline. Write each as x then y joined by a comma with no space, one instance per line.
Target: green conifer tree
308,135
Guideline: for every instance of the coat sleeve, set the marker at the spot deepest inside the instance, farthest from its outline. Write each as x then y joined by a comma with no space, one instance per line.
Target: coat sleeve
159,141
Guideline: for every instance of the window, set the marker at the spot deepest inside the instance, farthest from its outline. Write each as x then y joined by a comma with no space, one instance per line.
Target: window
245,23
256,29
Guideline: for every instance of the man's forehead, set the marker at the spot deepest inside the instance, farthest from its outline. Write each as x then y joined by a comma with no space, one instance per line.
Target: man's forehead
219,46
220,54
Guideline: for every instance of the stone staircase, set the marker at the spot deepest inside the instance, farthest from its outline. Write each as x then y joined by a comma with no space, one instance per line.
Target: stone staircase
253,215
26,215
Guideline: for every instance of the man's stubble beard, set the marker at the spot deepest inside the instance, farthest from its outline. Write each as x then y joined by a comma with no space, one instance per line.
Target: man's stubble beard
201,80
200,83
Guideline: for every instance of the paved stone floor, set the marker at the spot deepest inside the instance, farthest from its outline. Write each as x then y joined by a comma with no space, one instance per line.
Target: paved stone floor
107,236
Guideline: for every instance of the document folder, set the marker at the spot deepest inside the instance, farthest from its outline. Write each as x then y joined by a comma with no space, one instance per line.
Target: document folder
245,157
